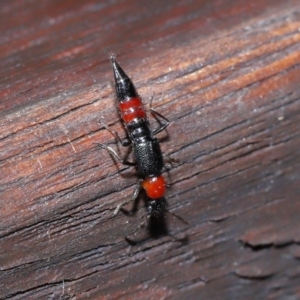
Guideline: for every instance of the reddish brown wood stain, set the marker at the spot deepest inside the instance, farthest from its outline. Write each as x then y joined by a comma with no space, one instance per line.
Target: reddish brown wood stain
226,73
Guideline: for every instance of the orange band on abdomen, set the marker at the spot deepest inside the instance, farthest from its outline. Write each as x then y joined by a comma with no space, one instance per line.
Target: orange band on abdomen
132,109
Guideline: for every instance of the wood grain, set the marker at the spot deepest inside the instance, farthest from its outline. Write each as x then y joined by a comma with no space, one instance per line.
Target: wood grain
226,74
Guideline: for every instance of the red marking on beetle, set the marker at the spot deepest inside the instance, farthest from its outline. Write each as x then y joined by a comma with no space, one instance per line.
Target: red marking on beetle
132,109
155,187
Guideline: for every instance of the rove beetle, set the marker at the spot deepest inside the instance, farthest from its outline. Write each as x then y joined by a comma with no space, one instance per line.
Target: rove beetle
147,153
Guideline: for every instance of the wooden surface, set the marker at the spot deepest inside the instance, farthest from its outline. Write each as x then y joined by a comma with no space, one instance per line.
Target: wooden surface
226,74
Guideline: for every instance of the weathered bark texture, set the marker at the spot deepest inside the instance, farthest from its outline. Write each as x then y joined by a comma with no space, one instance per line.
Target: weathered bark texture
227,75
